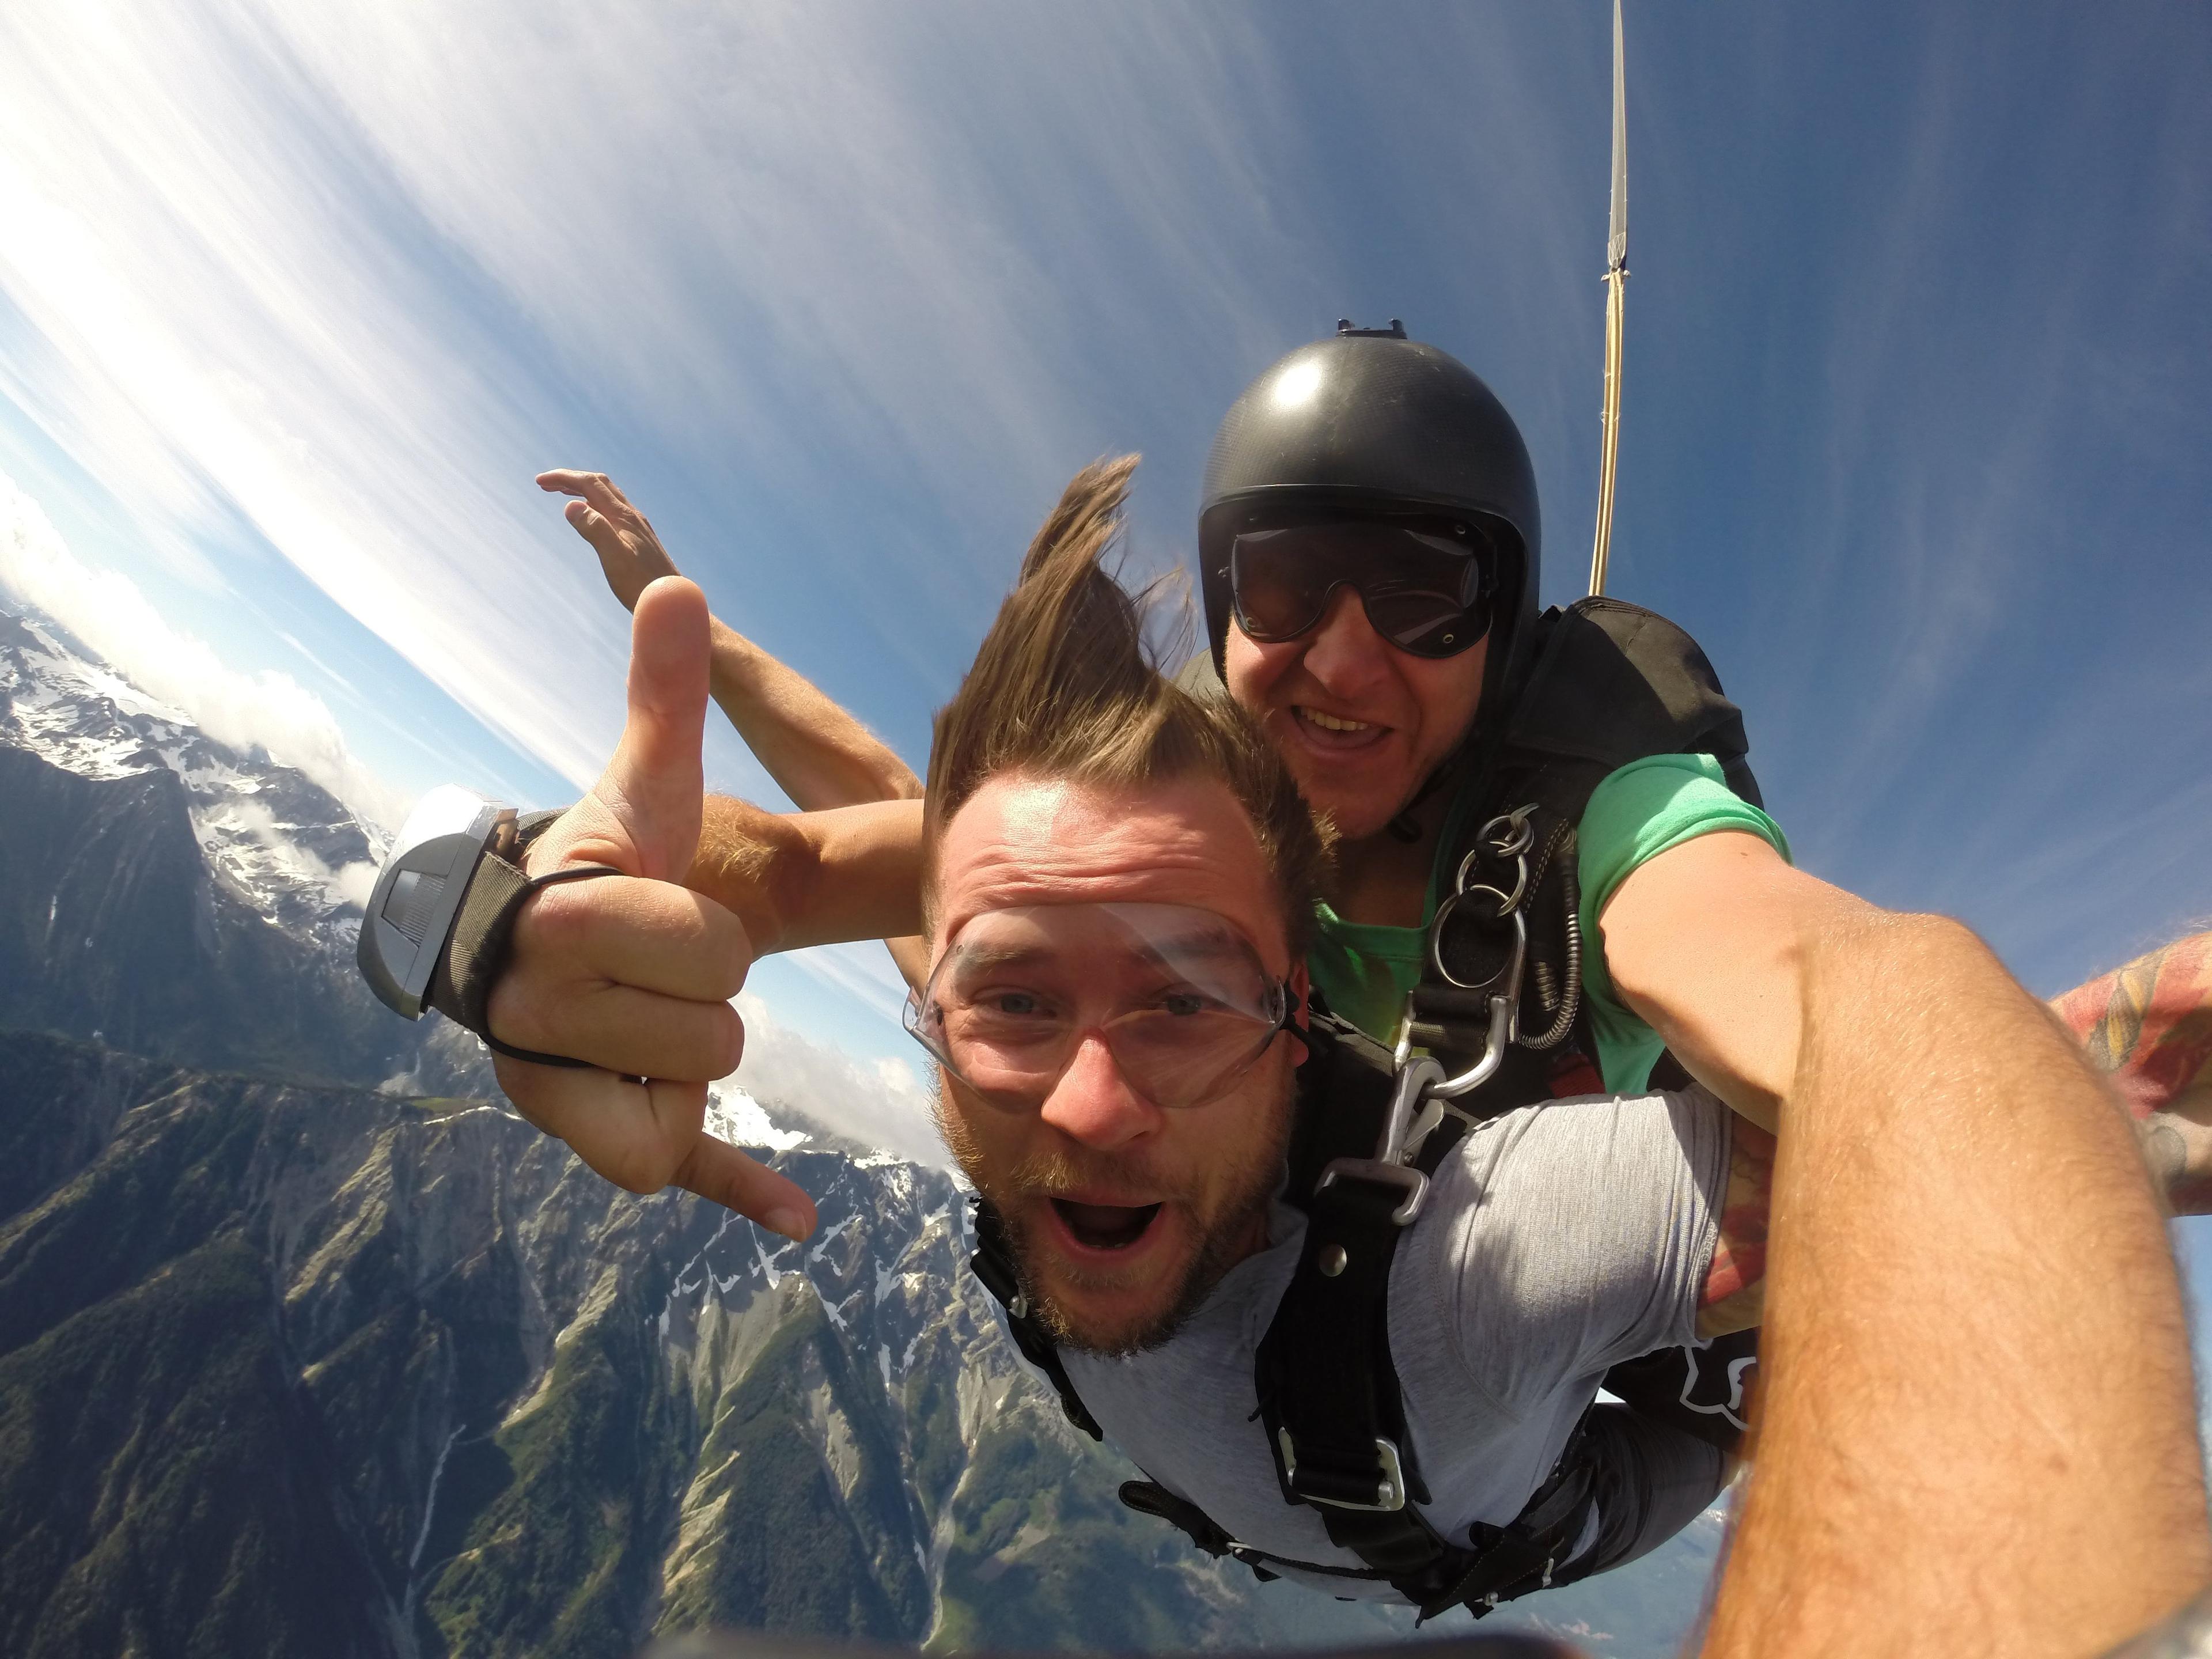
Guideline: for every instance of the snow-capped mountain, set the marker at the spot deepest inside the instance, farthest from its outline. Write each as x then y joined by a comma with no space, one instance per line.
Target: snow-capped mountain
172,896
289,849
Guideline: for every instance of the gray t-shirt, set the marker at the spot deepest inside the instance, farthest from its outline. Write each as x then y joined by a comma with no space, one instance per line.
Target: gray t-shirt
1557,1240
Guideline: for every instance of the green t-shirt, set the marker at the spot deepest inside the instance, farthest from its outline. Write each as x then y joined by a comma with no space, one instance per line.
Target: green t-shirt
1639,812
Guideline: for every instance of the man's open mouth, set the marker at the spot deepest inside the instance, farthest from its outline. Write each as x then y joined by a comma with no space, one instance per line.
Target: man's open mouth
1105,1227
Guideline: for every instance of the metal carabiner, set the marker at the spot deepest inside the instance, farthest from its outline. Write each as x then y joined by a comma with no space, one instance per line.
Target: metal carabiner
1409,1094
1503,1011
1504,1022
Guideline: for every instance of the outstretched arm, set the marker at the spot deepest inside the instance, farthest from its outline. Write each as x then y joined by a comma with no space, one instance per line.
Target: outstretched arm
2148,1027
801,878
1969,1282
816,752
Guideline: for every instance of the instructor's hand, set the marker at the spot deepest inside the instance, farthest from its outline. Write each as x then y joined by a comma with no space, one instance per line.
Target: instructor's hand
634,973
630,553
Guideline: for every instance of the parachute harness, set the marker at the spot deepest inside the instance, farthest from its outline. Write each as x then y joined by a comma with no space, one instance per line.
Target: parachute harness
1440,1014
1612,683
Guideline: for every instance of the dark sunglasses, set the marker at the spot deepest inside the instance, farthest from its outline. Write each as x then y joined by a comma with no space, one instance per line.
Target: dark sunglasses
1426,590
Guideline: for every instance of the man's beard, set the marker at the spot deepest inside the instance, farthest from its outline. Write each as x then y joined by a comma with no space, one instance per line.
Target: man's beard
1222,1236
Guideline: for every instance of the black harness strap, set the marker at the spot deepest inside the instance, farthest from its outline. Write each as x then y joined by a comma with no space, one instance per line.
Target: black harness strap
993,1262
1329,1397
1526,1554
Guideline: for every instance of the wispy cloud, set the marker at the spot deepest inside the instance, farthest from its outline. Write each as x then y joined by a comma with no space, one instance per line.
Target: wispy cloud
879,1102
107,611
871,281
1960,546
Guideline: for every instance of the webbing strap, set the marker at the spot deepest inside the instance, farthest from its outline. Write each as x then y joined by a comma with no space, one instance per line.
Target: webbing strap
1328,1388
476,954
992,1262
1523,1555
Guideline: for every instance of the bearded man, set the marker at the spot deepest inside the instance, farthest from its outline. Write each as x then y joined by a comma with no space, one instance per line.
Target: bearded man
1119,881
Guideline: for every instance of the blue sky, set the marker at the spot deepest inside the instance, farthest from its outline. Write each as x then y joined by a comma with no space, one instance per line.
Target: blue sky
294,301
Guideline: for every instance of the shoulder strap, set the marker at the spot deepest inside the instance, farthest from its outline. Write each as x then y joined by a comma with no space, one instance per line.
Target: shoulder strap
993,1263
1612,682
1329,1394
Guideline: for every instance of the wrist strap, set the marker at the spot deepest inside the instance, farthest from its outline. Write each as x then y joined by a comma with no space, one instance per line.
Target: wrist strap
476,954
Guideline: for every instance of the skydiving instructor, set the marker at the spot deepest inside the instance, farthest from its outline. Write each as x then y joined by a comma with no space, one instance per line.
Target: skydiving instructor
1557,791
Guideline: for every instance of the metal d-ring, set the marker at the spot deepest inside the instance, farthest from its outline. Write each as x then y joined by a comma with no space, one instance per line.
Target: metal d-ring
1506,909
1518,836
1511,835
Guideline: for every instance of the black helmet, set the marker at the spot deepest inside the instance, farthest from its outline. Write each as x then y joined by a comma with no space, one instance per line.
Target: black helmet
1369,421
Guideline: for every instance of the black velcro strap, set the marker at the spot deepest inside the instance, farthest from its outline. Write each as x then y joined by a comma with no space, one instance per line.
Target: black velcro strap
476,954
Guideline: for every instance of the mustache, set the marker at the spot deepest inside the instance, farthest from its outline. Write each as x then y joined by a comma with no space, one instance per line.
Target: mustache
1054,1171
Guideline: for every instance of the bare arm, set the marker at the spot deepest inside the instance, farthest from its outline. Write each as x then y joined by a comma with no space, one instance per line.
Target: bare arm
1978,1430
816,752
796,880
2148,1027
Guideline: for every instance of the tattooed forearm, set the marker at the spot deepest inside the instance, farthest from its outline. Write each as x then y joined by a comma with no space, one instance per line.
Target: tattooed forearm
2149,1025
1736,1284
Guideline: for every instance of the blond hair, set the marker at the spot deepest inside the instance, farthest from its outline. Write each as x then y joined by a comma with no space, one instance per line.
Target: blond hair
1064,687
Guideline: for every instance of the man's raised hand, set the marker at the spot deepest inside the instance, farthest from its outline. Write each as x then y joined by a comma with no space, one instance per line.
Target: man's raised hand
630,553
634,973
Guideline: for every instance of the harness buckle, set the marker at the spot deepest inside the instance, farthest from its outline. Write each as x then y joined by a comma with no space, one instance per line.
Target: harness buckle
1416,1184
1389,1492
1409,1093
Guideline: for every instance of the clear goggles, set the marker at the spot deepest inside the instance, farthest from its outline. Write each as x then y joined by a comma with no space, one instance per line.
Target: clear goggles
1178,996
1424,585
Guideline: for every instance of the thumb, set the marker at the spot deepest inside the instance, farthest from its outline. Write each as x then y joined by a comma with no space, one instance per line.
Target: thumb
655,782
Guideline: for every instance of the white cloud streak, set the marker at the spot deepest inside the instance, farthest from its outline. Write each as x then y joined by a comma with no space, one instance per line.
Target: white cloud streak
355,272
107,611
880,1102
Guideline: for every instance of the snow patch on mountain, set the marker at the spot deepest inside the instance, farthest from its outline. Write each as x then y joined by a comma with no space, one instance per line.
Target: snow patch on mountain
288,847
265,711
735,1116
